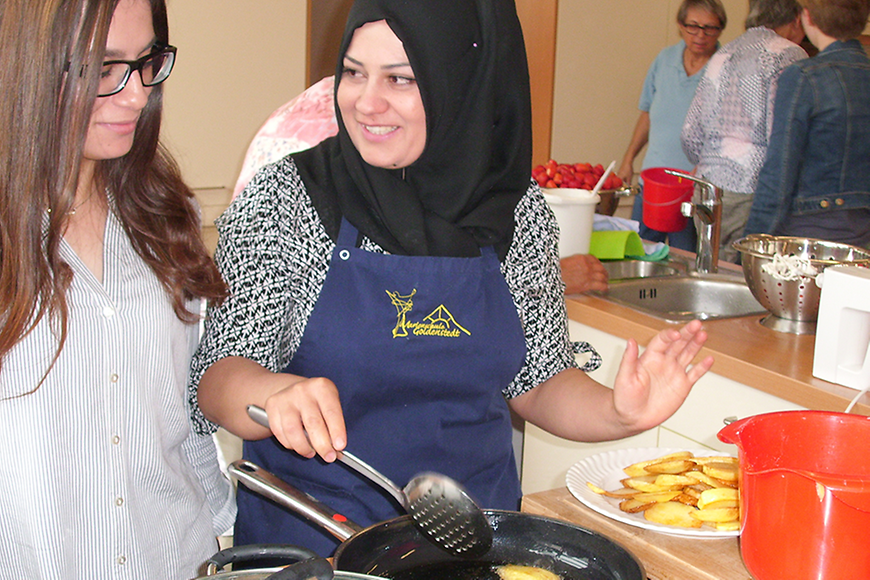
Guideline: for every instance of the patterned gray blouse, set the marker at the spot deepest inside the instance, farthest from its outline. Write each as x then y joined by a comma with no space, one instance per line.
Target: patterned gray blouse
274,254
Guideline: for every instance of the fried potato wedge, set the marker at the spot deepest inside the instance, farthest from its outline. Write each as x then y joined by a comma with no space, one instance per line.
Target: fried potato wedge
621,493
687,499
721,471
715,459
716,495
673,513
723,514
640,468
732,526
725,503
658,497
701,477
644,483
633,505
673,481
675,466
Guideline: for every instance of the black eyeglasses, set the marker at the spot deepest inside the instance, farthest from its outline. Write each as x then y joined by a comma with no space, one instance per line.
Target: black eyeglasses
153,68
708,30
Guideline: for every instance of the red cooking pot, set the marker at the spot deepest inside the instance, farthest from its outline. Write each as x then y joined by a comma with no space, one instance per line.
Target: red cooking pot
804,494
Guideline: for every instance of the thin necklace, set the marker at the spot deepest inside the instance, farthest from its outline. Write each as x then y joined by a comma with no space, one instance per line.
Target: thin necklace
75,207
79,205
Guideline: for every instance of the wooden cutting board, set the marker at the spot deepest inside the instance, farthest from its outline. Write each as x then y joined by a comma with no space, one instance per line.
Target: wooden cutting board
664,557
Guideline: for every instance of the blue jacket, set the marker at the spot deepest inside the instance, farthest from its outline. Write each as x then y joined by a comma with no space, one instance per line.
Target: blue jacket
818,161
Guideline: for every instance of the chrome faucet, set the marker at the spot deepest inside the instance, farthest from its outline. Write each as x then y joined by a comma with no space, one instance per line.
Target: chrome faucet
708,209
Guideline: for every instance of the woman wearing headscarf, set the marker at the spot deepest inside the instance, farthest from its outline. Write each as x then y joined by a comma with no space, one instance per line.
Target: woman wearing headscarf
404,276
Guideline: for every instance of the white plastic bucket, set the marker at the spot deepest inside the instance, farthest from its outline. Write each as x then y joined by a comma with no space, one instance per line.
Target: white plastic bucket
575,214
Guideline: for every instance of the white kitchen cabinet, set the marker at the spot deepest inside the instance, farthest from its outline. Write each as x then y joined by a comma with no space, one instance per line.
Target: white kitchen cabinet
546,458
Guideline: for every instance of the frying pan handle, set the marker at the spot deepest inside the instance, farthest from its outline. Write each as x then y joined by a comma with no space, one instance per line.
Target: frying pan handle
272,487
312,569
254,552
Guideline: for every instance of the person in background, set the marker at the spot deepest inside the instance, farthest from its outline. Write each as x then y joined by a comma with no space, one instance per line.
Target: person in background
667,92
397,287
728,125
102,266
815,181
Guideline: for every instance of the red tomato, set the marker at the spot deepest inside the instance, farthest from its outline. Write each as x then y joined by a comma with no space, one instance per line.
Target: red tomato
590,180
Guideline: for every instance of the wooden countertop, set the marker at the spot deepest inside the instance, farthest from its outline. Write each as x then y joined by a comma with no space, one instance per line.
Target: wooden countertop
745,351
663,556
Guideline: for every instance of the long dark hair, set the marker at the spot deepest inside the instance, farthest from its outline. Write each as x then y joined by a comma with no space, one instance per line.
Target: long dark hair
48,91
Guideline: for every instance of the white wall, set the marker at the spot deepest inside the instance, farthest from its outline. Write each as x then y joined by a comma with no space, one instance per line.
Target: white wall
238,60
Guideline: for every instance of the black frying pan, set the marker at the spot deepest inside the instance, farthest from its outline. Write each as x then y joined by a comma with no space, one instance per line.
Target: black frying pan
396,549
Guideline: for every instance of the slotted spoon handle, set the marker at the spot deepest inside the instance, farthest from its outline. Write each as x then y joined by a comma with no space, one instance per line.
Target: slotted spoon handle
259,416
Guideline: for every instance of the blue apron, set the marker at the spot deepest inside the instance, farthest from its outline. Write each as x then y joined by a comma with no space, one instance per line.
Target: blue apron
420,349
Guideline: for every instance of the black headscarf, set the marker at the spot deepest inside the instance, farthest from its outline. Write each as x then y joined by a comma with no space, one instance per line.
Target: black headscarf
470,64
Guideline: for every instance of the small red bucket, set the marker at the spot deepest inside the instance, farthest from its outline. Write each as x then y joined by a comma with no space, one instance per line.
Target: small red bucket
662,196
804,494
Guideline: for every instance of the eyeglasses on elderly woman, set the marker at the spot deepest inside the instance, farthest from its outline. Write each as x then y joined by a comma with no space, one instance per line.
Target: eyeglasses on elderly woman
695,29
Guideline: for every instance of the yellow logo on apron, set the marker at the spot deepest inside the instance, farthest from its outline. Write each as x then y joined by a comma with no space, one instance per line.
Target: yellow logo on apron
439,323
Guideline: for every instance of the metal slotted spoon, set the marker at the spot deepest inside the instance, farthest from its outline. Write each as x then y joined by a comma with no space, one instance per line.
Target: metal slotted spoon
439,506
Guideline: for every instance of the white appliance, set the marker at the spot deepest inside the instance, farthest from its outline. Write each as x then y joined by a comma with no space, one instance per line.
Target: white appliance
842,352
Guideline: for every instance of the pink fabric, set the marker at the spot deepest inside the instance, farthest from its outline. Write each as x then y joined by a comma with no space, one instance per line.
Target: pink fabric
297,125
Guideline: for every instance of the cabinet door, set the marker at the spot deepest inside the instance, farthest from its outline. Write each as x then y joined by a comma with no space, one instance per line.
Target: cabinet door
713,400
547,458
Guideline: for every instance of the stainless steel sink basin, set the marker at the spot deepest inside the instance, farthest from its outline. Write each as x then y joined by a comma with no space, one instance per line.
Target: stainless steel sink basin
682,298
628,269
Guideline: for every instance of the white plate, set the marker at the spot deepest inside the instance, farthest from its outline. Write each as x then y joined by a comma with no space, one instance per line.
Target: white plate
605,471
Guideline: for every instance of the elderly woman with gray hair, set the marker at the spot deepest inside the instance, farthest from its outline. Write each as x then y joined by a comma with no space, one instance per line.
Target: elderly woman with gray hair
727,128
666,95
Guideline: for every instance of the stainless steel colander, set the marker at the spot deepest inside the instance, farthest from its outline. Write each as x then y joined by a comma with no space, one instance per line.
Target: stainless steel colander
792,297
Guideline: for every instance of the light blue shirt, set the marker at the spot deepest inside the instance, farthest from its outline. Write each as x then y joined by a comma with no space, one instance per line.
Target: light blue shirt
666,96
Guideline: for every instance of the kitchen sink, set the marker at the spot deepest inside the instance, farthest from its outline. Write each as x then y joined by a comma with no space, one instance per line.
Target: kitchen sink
683,297
628,269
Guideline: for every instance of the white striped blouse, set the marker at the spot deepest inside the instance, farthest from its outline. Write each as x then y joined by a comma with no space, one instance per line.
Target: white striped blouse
101,475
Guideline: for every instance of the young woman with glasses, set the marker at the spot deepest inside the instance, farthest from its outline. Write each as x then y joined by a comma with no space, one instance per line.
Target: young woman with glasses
102,270
667,92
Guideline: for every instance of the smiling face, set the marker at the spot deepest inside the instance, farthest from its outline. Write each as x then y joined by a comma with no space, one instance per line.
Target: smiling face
113,119
700,44
379,99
